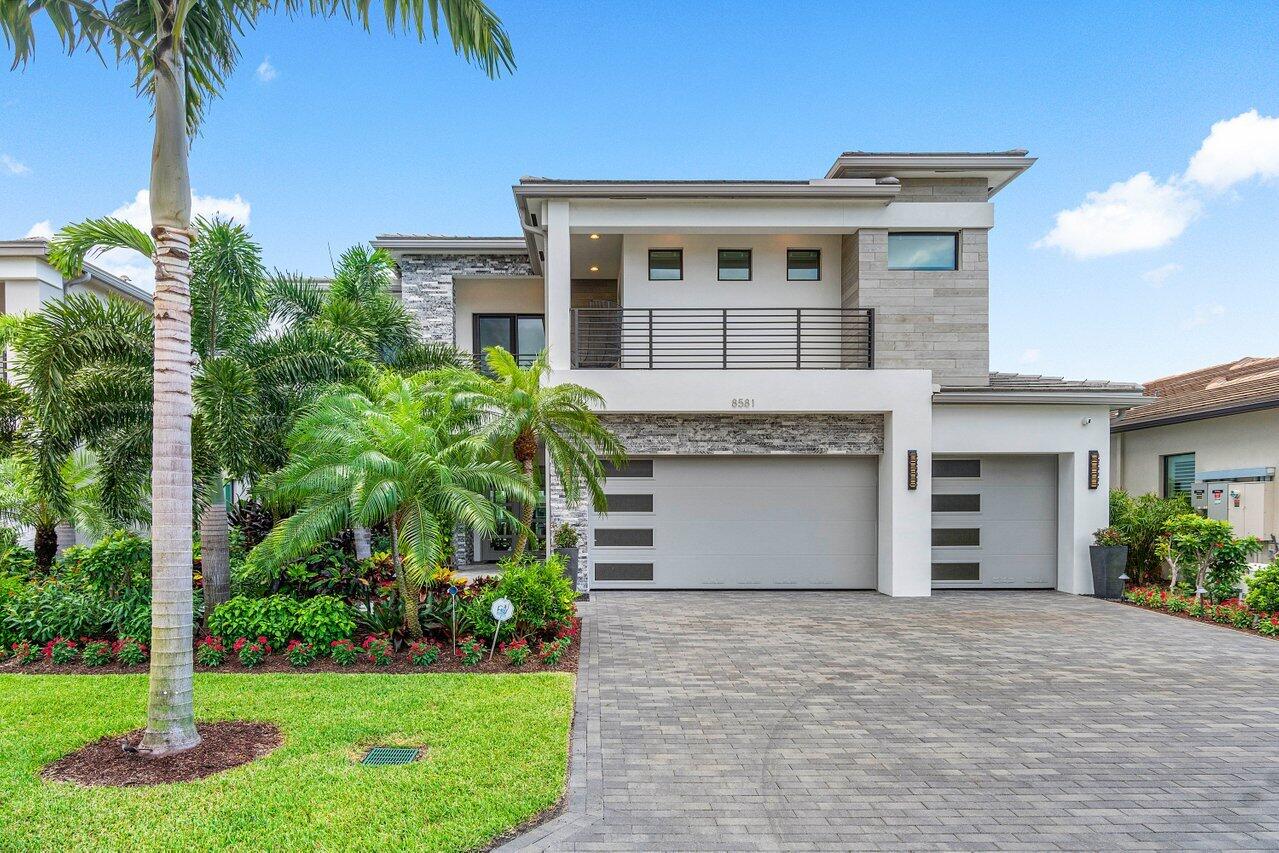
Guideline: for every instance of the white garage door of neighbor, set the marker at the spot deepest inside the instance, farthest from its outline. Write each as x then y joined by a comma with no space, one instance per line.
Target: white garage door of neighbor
747,522
994,522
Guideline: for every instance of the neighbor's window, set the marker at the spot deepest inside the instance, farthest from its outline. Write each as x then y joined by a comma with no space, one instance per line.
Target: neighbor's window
665,264
914,251
803,264
1179,474
734,264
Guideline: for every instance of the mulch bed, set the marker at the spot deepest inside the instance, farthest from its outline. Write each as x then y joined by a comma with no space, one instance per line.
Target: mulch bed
1189,618
223,746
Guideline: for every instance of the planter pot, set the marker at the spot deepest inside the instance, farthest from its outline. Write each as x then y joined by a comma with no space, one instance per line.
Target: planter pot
1108,563
570,563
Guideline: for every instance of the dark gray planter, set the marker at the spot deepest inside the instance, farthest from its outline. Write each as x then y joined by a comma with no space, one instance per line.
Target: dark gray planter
570,564
1108,563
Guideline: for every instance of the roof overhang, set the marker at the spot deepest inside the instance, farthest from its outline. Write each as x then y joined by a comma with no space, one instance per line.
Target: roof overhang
1185,417
38,250
1113,399
999,168
401,244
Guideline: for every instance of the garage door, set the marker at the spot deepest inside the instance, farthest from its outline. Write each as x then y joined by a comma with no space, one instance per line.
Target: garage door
738,522
995,522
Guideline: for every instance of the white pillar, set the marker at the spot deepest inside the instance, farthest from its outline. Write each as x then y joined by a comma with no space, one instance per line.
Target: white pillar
905,514
558,282
1080,512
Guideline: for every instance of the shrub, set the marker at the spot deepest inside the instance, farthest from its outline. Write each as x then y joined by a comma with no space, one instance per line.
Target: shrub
566,536
16,560
1108,536
424,653
323,619
542,596
60,650
96,653
130,651
471,651
551,652
517,651
300,653
55,608
1141,523
210,651
1269,625
343,652
1263,589
26,653
251,652
377,650
118,561
274,617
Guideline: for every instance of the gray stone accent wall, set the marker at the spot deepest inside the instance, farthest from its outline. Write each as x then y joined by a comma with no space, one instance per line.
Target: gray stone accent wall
717,435
931,319
426,286
943,189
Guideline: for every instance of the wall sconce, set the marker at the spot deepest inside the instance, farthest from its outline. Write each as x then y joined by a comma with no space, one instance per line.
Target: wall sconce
912,470
1094,469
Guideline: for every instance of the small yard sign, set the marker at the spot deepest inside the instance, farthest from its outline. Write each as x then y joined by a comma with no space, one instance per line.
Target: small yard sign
502,610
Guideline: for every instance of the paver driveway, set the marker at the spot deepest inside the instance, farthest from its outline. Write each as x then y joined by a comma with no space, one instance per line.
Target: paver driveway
763,721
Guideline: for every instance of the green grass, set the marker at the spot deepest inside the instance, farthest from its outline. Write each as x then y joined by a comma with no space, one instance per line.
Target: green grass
498,754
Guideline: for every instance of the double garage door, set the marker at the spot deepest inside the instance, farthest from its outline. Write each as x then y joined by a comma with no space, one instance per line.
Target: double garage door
796,522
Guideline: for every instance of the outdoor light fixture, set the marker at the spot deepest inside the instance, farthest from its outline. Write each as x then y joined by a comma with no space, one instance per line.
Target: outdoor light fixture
1094,469
595,269
595,236
912,470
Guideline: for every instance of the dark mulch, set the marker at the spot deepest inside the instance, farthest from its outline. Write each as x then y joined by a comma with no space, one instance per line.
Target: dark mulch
104,763
1250,632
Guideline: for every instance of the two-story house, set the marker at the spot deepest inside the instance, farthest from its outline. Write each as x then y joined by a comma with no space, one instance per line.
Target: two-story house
799,371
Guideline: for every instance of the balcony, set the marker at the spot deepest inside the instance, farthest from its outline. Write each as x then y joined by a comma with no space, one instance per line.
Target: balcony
723,338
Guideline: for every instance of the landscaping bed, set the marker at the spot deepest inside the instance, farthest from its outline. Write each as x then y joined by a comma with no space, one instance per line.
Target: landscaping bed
1230,613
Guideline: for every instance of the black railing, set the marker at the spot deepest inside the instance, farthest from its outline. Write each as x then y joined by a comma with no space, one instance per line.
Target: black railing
724,338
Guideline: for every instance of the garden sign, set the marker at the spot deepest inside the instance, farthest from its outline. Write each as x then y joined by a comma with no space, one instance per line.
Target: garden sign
502,610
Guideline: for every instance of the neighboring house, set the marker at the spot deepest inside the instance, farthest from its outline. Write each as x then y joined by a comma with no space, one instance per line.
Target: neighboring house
1211,433
799,370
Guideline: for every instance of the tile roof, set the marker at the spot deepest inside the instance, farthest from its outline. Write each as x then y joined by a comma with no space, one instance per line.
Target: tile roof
1220,389
1031,382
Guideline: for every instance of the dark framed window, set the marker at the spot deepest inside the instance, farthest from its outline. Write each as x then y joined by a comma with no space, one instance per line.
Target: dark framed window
914,250
624,537
1179,474
633,468
629,503
623,571
951,572
956,503
734,264
522,335
956,467
956,537
803,264
665,264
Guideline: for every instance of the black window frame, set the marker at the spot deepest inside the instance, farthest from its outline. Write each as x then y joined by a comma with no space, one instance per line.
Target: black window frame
789,277
678,250
1165,466
719,265
514,319
939,465
954,235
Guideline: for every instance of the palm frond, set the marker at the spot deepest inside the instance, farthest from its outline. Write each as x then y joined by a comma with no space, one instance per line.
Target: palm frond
79,241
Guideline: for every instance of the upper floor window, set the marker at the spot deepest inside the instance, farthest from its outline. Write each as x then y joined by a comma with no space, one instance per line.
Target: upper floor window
665,264
803,264
918,251
734,264
1179,474
522,335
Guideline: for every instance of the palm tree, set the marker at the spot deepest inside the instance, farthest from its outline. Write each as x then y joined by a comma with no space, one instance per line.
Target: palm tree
24,503
403,456
519,413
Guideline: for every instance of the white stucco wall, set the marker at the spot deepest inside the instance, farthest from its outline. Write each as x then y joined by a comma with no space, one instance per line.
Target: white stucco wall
1058,430
493,296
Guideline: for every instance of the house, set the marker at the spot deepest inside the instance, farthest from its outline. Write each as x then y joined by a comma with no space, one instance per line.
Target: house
1212,433
799,370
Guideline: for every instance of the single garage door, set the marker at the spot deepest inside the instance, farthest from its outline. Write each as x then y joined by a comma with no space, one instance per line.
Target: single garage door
738,522
995,522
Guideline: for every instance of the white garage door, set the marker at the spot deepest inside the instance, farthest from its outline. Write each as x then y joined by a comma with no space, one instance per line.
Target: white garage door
995,522
738,522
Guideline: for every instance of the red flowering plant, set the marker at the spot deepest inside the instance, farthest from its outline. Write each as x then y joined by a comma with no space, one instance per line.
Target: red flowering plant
300,653
129,651
343,652
377,650
471,651
60,650
1269,627
251,652
96,653
517,651
26,653
424,652
551,652
210,651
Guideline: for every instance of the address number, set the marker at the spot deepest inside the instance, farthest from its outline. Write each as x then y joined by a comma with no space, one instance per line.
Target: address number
743,402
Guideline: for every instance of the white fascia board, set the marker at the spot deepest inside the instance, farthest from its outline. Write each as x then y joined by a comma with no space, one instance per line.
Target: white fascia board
116,285
451,245
842,188
754,216
1100,397
998,169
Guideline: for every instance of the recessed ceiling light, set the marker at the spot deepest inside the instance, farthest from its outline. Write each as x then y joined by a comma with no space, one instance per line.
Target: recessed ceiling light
595,236
595,269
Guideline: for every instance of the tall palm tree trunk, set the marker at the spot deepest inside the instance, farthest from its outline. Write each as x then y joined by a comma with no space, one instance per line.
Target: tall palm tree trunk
215,551
46,547
170,712
525,453
408,598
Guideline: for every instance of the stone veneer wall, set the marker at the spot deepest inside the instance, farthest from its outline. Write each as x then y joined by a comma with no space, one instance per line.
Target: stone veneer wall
426,286
718,435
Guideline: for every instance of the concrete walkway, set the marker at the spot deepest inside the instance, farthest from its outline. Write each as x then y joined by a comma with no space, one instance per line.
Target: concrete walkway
848,721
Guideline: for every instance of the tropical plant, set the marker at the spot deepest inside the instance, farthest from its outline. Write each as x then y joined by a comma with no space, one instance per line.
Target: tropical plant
542,595
25,501
300,653
519,412
210,651
517,652
470,651
274,617
130,651
182,52
424,652
343,652
377,650
96,653
1140,521
1207,546
404,456
117,562
251,652
1263,588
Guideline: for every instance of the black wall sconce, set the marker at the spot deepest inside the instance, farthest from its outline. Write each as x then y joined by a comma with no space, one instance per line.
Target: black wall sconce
912,470
1094,469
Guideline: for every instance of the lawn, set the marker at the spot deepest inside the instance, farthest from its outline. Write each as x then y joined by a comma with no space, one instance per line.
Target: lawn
498,753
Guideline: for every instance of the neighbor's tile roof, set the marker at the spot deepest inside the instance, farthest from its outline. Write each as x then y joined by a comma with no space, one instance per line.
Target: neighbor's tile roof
1222,388
1030,382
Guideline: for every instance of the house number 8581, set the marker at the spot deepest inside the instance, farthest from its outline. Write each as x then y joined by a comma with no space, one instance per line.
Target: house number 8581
743,402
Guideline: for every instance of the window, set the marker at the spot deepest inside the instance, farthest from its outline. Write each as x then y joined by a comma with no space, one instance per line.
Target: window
665,264
629,503
956,467
624,537
522,335
734,264
956,537
1179,474
913,251
632,468
950,572
956,503
623,571
803,264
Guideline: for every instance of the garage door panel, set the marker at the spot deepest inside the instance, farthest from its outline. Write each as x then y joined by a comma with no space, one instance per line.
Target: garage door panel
746,572
727,504
777,538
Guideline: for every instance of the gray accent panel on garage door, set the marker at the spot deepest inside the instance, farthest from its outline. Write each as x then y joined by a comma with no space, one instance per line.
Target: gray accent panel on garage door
1016,525
761,522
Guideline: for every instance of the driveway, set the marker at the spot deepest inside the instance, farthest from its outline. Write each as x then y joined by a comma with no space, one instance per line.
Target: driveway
841,721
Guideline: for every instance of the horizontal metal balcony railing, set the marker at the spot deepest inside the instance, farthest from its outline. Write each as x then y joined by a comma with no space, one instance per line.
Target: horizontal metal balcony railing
724,338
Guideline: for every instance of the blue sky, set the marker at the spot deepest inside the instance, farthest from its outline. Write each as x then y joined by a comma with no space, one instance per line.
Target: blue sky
329,135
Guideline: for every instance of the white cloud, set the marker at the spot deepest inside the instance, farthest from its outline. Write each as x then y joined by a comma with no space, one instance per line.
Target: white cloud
1157,276
12,166
266,71
1203,315
1139,213
42,229
1030,356
1239,148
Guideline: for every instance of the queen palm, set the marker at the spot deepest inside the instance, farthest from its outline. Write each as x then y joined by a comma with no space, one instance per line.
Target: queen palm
519,412
400,455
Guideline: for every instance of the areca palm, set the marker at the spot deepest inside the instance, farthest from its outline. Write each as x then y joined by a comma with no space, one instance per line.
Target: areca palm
24,501
519,412
403,456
